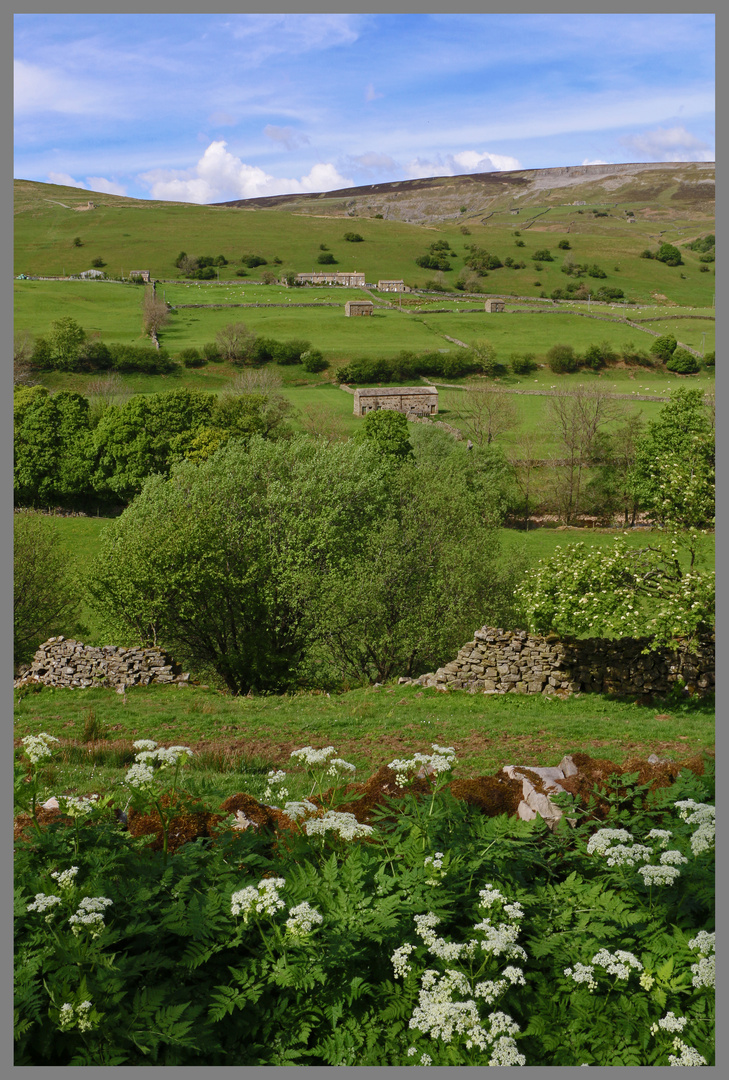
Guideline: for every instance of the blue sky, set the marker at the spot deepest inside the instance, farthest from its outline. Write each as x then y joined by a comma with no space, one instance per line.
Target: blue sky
206,108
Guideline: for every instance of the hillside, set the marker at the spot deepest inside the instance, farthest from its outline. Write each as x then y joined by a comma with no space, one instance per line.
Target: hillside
661,189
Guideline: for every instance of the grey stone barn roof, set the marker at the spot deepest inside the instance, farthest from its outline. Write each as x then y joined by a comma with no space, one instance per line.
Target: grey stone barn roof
380,391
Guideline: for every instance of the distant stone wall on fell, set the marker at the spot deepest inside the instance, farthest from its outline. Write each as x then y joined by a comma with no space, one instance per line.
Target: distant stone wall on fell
514,661
67,663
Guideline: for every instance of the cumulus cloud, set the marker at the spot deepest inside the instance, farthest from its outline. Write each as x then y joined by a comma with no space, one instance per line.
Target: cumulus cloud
64,180
220,176
108,187
93,183
669,144
286,136
465,161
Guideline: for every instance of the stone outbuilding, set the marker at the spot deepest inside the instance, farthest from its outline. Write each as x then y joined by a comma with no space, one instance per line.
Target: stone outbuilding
92,274
359,307
142,274
494,305
394,285
411,400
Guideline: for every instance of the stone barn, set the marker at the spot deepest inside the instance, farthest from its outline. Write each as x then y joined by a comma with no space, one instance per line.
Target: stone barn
358,307
494,305
143,274
417,400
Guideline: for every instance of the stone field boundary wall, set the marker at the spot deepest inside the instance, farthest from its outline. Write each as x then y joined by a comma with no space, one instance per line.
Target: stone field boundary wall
514,661
67,663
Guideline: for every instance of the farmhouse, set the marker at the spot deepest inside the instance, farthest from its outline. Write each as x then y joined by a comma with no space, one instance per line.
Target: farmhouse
494,305
353,280
393,286
418,400
143,274
359,307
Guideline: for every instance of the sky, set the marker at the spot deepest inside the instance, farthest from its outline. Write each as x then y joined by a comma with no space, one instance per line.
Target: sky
209,108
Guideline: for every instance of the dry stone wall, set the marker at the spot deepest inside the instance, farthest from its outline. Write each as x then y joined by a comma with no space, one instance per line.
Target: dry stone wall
67,663
514,661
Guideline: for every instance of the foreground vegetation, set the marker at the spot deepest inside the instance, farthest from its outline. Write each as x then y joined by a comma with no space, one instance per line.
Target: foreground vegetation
433,935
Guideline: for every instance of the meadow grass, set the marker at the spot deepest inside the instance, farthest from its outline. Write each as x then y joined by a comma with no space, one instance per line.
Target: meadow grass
237,739
138,234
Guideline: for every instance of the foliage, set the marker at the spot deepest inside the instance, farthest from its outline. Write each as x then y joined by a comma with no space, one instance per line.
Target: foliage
562,358
624,592
354,237
664,347
66,339
326,259
235,341
669,254
543,255
45,592
312,360
522,364
683,362
387,430
53,455
441,936
674,473
702,243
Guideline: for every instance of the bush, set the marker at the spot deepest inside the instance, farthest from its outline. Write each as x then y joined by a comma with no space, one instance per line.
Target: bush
664,347
522,364
353,237
562,359
289,352
95,356
434,262
608,293
709,358
703,269
564,245
97,263
593,358
211,352
683,363
46,597
191,358
252,261
596,272
669,255
543,255
312,360
140,358
326,259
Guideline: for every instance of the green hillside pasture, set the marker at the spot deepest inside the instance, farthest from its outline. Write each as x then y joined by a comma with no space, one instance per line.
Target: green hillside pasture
687,331
134,234
110,308
238,739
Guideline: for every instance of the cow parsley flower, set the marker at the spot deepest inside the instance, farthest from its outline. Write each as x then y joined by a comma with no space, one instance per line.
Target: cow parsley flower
659,875
704,972
310,756
44,903
78,806
687,1055
400,964
345,825
90,915
37,747
302,919
139,775
622,855
67,1017
662,835
670,1022
338,767
601,840
618,963
672,858
582,973
261,899
145,744
295,810
65,878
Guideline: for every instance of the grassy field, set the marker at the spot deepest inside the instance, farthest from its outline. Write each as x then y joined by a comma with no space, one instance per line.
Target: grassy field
237,740
135,234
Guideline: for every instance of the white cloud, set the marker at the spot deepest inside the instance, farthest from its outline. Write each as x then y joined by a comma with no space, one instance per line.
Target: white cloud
371,94
286,136
38,89
219,176
465,161
64,180
108,187
669,144
596,161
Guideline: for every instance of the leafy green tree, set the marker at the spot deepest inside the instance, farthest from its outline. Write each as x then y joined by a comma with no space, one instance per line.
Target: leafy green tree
562,358
46,593
674,471
664,347
53,447
143,437
326,259
388,431
313,360
354,237
669,255
66,339
622,591
683,362
543,255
